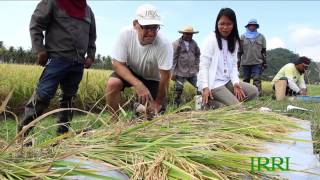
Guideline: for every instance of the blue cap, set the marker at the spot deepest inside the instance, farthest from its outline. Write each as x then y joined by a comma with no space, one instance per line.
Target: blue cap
253,21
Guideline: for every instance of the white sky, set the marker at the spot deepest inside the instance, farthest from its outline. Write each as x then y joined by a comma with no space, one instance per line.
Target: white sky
293,25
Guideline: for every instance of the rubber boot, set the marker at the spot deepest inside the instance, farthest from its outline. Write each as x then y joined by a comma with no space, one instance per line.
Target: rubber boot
257,83
177,98
33,109
65,117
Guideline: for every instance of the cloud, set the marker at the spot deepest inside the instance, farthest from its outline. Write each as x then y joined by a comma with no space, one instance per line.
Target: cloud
275,42
305,40
303,36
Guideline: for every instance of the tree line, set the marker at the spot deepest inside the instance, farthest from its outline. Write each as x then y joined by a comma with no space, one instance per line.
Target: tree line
22,56
276,58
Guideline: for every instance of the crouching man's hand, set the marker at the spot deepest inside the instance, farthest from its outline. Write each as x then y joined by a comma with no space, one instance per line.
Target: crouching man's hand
143,93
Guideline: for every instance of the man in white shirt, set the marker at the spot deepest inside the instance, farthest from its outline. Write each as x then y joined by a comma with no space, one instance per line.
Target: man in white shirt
142,59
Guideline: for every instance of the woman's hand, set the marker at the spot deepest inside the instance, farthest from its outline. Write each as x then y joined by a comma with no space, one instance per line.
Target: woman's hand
206,94
238,92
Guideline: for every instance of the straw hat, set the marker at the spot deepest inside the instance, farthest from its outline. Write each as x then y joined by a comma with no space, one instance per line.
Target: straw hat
188,29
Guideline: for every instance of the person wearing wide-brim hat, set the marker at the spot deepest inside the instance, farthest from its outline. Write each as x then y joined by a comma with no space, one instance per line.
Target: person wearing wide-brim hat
188,30
186,58
252,54
252,22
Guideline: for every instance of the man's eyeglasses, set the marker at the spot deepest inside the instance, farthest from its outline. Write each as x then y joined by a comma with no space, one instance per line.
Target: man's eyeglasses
154,28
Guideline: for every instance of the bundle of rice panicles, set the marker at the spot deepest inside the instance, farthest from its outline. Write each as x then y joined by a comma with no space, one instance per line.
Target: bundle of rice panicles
188,145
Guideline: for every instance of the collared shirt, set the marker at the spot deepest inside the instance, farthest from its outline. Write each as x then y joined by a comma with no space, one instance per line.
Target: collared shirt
185,59
186,44
209,62
251,50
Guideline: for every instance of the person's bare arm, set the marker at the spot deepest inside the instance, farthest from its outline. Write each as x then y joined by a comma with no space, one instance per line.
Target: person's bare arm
156,105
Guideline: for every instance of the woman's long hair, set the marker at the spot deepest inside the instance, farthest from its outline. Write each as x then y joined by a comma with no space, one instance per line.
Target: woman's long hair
233,38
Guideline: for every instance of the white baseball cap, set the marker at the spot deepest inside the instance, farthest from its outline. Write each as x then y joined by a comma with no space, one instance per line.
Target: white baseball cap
147,15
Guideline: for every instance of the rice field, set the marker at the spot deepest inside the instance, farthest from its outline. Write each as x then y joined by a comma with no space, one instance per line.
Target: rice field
187,145
178,145
22,79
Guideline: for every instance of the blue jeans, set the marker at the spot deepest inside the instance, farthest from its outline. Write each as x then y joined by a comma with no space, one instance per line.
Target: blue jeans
58,71
254,72
63,72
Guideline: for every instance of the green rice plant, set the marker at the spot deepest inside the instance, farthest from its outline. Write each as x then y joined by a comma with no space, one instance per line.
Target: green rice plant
188,145
22,79
233,131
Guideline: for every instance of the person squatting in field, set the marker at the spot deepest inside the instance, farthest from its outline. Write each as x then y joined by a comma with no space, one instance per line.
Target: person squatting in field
218,77
289,81
142,59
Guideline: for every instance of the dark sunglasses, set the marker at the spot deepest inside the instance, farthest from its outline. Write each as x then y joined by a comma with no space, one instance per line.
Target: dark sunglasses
153,28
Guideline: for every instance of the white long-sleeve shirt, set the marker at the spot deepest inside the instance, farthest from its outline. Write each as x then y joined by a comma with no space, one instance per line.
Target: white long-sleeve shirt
208,75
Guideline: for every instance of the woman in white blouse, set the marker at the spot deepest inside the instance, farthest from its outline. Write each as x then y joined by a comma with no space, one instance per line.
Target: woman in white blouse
218,76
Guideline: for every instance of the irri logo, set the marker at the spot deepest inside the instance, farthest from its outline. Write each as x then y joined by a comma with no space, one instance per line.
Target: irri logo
269,164
151,13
